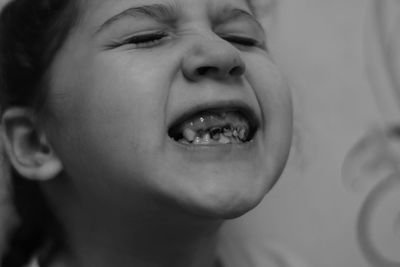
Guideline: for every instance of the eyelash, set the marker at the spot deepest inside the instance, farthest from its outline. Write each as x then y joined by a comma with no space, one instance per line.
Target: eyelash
242,41
149,40
145,40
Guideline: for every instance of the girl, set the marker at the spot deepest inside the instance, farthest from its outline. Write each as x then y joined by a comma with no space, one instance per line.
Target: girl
135,128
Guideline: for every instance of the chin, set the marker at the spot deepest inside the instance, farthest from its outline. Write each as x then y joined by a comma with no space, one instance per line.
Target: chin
225,208
225,201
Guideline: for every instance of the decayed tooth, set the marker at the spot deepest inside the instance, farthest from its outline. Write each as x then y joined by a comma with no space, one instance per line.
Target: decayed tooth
223,139
206,138
242,134
227,132
215,133
189,134
215,136
235,133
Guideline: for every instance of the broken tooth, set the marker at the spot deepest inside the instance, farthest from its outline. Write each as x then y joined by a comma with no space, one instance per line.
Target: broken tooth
197,140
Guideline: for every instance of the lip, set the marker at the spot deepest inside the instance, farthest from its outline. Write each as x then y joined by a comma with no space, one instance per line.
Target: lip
222,106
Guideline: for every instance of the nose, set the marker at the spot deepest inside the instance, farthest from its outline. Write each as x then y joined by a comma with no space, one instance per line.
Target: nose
213,59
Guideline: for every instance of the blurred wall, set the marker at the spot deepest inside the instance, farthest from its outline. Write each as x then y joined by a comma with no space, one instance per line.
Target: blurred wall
311,214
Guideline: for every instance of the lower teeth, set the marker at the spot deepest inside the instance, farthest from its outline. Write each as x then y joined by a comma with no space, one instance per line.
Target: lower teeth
224,140
207,138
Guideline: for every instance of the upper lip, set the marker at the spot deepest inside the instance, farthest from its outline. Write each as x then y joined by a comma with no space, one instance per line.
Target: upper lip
238,106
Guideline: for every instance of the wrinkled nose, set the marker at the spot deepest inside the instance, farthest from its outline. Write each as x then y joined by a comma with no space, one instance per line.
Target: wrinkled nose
213,59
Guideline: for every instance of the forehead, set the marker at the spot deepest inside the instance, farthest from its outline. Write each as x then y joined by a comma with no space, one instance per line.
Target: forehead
98,11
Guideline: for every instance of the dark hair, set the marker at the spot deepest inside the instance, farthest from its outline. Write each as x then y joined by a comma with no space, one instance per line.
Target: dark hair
31,33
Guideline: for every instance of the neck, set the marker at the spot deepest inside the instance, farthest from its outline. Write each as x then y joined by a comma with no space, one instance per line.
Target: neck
151,240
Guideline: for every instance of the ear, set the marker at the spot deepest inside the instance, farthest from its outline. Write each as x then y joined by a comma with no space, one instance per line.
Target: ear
27,146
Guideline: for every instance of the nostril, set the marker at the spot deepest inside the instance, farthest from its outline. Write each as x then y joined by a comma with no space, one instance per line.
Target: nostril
215,71
237,71
206,70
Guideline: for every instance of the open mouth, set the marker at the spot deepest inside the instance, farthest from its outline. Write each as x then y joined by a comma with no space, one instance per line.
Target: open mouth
218,126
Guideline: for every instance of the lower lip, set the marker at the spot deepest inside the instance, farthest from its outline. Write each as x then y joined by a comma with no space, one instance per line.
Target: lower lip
216,150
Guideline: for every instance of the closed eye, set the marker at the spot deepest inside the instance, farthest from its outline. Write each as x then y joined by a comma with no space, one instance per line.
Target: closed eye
243,41
246,41
143,40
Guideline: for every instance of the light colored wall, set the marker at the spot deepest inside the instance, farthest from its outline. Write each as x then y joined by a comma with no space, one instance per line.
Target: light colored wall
311,213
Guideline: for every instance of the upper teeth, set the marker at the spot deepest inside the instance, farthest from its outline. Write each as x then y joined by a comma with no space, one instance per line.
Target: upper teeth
213,127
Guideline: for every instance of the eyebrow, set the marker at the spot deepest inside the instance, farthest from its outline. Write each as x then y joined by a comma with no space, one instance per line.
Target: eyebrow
159,12
230,13
170,12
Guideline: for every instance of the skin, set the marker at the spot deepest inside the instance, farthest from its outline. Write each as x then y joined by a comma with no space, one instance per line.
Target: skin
126,194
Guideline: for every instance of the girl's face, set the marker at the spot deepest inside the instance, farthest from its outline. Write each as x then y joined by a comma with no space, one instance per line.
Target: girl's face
175,101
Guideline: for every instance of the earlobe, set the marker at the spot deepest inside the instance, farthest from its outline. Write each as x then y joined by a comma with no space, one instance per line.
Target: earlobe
27,146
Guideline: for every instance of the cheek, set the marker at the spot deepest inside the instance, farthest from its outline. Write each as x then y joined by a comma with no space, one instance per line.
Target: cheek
275,100
110,91
111,113
271,89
